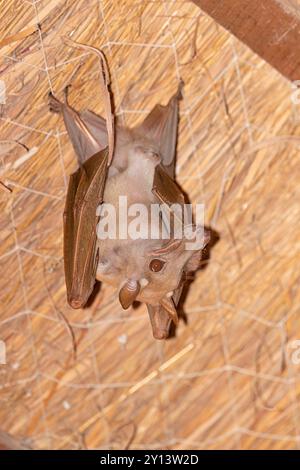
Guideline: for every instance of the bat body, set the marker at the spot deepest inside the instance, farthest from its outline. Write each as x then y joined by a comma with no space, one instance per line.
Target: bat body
147,269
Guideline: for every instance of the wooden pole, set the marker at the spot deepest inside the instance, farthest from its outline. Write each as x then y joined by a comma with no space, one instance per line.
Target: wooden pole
271,28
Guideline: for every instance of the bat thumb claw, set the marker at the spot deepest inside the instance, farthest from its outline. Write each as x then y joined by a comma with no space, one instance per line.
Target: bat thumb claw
54,104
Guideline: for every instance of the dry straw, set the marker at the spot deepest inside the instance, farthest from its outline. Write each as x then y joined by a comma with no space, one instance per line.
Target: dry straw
226,380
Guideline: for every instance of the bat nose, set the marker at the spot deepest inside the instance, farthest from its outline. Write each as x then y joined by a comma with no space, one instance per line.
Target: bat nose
76,302
129,292
160,334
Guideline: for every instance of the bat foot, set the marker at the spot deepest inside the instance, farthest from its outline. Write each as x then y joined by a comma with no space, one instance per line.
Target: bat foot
179,89
66,92
55,106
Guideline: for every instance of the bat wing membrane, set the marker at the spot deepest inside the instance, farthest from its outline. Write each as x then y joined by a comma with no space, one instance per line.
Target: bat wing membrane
161,126
85,193
87,131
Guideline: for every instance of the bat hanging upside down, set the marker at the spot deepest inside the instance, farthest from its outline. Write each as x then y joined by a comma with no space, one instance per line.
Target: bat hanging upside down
140,167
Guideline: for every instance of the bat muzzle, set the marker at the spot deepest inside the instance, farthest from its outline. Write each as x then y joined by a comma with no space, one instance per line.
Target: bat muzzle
160,321
76,301
161,317
128,293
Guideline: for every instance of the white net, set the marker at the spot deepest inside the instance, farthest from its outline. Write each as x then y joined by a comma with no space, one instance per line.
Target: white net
229,378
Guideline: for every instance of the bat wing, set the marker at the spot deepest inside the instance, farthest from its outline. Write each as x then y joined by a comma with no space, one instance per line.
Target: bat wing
85,193
96,125
88,136
161,126
165,188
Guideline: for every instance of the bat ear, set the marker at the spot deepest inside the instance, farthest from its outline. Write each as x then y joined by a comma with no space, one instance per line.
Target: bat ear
194,261
204,235
161,126
196,237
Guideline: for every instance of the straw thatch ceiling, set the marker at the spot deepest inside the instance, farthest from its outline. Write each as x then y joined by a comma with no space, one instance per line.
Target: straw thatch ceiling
227,380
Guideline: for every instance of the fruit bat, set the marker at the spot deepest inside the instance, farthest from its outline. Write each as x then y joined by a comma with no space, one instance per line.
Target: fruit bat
141,167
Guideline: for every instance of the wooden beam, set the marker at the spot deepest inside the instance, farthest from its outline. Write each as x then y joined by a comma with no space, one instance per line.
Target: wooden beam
271,28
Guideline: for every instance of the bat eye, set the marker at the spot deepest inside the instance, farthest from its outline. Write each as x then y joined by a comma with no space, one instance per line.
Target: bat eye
156,265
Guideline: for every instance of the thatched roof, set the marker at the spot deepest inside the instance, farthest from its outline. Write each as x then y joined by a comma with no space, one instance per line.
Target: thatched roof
226,380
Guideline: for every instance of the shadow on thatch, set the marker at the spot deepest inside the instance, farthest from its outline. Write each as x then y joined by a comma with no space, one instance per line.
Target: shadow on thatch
214,238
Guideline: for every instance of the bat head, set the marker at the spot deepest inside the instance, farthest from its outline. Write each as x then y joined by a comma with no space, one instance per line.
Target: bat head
151,271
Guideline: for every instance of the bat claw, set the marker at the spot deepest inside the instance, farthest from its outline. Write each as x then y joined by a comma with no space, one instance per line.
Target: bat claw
55,106
66,92
179,89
